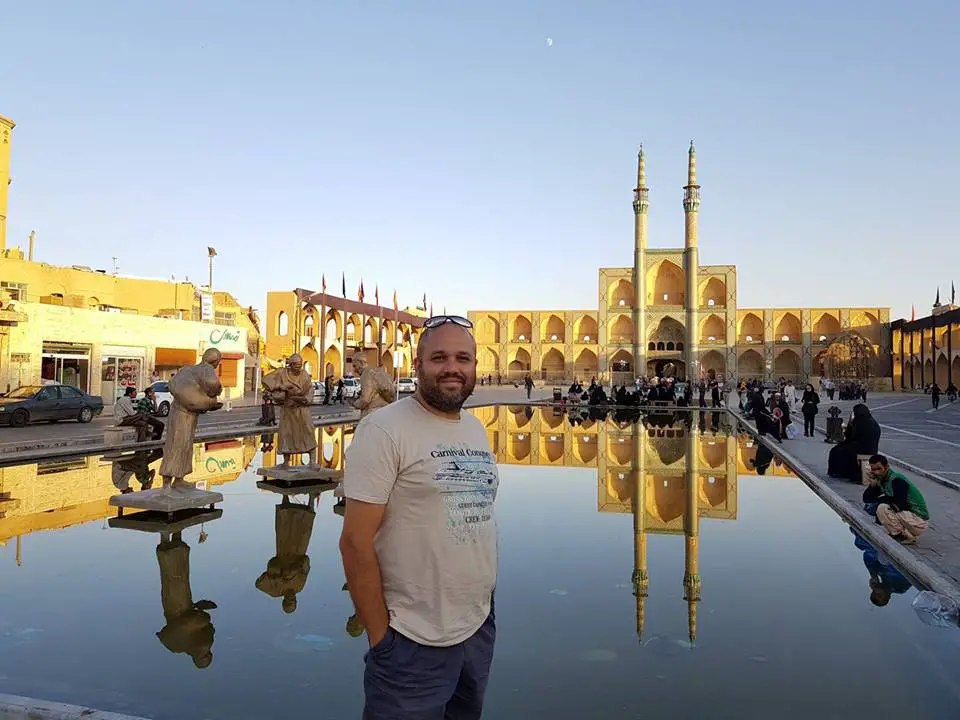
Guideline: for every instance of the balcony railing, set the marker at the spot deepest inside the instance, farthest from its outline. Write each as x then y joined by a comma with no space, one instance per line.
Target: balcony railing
586,340
787,340
750,340
521,339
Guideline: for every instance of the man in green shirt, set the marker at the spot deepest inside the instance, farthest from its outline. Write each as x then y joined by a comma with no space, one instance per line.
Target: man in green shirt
901,508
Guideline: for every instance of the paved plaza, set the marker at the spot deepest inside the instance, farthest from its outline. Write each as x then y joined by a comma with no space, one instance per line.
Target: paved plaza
929,443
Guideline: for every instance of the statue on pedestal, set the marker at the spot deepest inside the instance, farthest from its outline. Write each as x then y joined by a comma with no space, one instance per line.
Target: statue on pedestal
376,388
287,571
189,627
195,390
292,389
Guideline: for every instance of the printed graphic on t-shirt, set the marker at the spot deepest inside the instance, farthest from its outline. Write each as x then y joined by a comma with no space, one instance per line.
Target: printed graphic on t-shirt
468,484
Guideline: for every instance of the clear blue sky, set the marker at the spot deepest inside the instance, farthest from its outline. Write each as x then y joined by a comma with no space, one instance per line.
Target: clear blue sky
444,147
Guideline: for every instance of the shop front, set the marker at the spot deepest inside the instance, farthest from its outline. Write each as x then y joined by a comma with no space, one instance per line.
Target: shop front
120,367
66,363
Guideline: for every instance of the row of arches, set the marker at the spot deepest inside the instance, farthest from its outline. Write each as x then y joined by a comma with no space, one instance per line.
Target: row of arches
943,370
666,286
348,327
620,329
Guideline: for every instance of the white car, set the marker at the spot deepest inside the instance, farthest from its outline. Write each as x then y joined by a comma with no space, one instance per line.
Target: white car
162,396
319,391
407,385
351,388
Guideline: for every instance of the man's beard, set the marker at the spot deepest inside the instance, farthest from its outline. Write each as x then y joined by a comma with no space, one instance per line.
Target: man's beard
445,401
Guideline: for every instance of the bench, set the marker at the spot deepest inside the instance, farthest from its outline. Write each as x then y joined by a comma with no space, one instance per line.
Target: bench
115,435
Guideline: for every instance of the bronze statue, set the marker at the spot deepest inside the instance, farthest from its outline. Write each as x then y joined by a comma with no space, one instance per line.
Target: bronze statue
376,388
195,390
287,571
292,389
189,627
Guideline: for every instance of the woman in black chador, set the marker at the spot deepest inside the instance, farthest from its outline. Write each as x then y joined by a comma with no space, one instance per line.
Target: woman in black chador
862,437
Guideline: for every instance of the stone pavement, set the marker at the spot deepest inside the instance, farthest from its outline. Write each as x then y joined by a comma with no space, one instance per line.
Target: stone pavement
935,559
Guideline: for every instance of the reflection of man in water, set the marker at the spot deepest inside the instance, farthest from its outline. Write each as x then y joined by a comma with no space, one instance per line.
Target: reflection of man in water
287,571
189,628
138,466
885,579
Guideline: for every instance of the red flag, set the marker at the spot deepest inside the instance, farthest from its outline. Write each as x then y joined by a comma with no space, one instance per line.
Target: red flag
376,294
323,283
360,292
913,315
396,308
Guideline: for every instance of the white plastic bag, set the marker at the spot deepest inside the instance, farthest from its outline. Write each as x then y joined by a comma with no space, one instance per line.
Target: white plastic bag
792,431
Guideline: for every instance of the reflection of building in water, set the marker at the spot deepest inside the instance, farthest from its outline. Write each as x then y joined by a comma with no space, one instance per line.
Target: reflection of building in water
754,458
332,444
665,474
63,493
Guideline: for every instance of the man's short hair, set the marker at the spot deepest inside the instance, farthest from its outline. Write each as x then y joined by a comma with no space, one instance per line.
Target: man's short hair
130,392
879,460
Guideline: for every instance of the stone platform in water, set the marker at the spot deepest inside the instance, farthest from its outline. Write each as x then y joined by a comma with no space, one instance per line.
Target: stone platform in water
301,473
159,522
296,487
166,500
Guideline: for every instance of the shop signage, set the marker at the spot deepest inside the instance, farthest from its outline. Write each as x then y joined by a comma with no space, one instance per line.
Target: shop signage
217,336
219,465
206,307
19,357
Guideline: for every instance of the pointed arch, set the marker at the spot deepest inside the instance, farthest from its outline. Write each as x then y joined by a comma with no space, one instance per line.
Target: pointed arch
553,364
788,365
620,293
586,447
587,364
585,329
353,329
386,361
520,362
283,323
714,364
943,371
311,361
521,330
620,329
665,284
519,447
370,334
713,293
826,328
334,326
621,360
750,364
867,324
309,321
552,329
668,498
489,361
333,363
488,329
750,329
667,330
551,447
788,329
713,330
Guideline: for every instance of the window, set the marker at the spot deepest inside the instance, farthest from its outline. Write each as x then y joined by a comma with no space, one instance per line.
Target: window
13,291
161,387
224,318
68,392
48,394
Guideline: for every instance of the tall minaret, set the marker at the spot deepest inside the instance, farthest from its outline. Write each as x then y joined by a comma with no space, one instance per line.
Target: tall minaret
641,203
691,267
6,130
691,530
640,579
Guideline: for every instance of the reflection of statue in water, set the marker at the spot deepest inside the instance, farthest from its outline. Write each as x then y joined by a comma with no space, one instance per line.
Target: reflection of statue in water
292,389
287,571
189,628
376,388
355,626
137,466
195,390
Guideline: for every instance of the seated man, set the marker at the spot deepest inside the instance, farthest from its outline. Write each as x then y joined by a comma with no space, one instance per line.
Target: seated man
901,508
127,415
146,409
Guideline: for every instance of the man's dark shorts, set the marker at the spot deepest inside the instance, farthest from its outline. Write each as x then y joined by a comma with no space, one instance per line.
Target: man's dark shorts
404,680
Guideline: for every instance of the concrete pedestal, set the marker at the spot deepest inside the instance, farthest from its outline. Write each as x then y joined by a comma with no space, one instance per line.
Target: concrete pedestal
166,500
159,522
301,473
287,487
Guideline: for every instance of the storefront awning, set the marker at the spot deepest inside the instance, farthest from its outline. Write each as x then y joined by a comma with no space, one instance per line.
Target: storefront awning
175,357
233,356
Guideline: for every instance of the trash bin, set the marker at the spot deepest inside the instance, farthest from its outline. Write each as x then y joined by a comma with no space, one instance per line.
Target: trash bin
557,394
834,426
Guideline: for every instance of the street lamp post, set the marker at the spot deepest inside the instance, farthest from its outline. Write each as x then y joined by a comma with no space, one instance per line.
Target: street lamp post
211,254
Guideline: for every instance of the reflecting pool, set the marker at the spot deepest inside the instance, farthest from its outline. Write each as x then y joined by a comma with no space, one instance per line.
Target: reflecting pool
649,567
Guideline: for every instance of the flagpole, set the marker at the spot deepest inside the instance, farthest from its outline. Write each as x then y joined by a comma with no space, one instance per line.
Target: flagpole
322,375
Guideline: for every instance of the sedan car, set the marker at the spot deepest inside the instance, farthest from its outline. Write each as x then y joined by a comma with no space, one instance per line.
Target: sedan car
32,403
162,396
351,388
406,385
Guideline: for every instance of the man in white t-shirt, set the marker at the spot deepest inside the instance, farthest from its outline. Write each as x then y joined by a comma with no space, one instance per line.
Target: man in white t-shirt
419,539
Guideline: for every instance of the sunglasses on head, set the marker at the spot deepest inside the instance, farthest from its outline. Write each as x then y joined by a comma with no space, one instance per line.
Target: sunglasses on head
438,320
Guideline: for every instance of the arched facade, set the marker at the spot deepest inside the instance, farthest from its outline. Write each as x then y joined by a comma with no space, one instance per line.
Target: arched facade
553,365
787,365
750,330
521,329
488,329
620,294
713,330
788,329
586,365
520,362
621,330
585,329
713,293
750,365
826,328
552,329
714,364
665,284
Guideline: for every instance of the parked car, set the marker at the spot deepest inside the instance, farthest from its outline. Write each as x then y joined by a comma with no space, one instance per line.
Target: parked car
32,403
351,388
163,397
406,385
